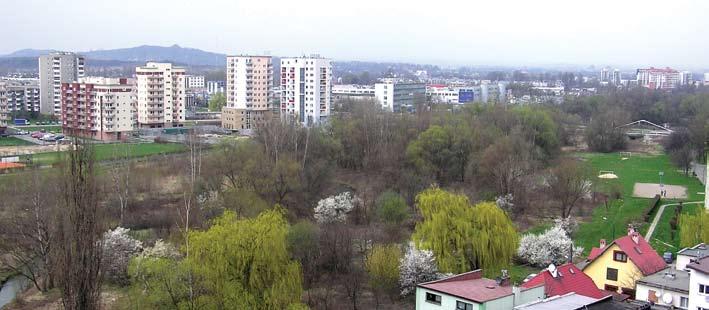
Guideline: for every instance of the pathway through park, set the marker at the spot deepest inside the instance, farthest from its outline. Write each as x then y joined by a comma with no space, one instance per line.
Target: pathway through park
659,215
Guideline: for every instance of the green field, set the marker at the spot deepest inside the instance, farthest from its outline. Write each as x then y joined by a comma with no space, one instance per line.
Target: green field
12,141
638,168
113,151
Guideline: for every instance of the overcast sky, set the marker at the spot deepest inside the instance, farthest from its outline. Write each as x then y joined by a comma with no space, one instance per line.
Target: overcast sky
447,32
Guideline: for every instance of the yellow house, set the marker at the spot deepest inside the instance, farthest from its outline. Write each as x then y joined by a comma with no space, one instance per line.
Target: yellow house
616,266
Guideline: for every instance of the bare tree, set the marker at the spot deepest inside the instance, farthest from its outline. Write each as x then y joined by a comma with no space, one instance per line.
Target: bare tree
80,228
568,184
29,234
120,174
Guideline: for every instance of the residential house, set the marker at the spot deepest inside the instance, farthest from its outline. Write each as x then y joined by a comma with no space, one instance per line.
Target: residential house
573,301
668,287
686,255
470,291
699,284
617,266
565,279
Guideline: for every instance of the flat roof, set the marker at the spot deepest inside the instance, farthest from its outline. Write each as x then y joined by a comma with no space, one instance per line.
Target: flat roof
660,279
471,286
568,301
699,250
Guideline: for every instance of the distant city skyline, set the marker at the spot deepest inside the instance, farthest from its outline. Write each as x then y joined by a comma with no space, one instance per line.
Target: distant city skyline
517,33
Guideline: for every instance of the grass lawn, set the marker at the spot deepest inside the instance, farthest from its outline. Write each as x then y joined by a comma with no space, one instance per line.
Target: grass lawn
12,141
116,150
638,168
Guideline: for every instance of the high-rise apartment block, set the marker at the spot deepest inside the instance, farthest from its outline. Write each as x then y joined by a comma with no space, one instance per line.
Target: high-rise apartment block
658,78
98,108
616,78
22,95
686,78
55,69
4,111
161,95
399,96
306,85
249,92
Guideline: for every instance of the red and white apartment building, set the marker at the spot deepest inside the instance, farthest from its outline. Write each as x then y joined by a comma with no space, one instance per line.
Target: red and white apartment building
98,108
655,78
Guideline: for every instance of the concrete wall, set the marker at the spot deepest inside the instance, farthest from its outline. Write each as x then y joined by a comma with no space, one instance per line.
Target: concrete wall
642,292
700,171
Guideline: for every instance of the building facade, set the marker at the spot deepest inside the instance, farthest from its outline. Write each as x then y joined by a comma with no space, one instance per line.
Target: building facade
214,87
249,92
22,95
55,69
399,96
195,81
470,291
655,78
699,284
98,108
353,92
161,95
306,89
4,111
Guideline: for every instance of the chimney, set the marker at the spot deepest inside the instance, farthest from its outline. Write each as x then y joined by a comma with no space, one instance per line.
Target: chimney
635,236
602,244
631,230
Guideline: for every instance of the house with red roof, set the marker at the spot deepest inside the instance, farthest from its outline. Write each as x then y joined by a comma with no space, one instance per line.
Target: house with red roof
565,279
470,291
617,266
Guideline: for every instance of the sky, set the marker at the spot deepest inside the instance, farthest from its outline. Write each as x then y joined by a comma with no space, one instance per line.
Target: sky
621,33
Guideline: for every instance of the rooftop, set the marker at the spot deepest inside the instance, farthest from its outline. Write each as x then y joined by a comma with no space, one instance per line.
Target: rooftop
701,265
664,280
566,279
569,301
699,250
471,286
638,250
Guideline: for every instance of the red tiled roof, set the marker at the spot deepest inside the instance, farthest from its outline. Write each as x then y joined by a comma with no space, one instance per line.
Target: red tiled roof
471,286
570,279
10,165
641,254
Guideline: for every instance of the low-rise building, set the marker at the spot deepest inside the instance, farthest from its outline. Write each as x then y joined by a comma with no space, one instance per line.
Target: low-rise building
352,92
686,255
668,287
573,301
699,284
617,266
565,279
214,87
194,81
399,96
98,108
470,291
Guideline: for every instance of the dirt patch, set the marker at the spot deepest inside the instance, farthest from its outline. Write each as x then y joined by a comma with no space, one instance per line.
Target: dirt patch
649,190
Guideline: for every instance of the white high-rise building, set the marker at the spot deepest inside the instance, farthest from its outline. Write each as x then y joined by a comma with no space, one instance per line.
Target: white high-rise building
249,94
686,78
616,77
306,85
654,78
55,69
706,79
161,95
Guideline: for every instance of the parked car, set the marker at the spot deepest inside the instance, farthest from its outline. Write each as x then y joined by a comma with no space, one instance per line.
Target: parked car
58,137
37,134
47,137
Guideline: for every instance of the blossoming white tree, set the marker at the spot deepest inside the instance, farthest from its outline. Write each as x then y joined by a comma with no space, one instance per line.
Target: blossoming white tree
334,208
553,246
415,267
118,248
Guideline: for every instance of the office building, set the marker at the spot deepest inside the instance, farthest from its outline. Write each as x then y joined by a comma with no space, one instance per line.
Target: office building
353,92
161,95
214,87
249,92
98,108
306,86
194,81
55,69
654,78
399,96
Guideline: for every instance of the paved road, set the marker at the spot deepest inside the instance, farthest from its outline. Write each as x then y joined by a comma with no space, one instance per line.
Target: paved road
659,215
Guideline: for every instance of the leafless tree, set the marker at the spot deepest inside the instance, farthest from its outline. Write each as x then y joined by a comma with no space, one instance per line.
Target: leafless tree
80,229
120,177
568,184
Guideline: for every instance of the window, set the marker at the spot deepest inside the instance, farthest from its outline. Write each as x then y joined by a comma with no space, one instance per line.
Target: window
620,256
436,299
683,302
703,289
612,274
459,305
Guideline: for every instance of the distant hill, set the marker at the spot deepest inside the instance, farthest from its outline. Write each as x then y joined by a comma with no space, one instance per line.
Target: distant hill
143,53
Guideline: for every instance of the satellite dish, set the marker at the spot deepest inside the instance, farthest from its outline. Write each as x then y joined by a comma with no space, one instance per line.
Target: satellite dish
667,298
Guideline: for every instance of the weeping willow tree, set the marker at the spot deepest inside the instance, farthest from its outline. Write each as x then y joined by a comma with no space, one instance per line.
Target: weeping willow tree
244,264
461,236
694,228
236,264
